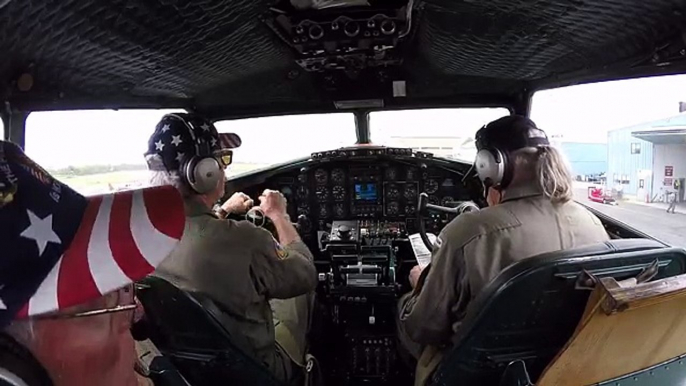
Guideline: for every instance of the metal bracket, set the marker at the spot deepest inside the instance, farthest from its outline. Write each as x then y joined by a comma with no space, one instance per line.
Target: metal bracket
516,375
588,281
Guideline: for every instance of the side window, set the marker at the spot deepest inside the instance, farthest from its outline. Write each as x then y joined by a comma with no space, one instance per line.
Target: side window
635,148
93,151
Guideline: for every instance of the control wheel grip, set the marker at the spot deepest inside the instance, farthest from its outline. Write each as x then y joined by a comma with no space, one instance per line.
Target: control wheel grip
421,202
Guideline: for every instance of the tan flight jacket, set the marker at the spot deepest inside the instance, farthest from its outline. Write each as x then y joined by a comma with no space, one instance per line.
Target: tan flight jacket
240,267
473,249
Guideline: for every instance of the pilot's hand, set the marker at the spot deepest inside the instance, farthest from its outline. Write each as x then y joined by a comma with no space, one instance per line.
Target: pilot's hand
239,203
415,273
273,204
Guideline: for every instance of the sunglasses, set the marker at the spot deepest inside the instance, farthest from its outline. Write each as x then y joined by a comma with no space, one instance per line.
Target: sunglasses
224,156
121,300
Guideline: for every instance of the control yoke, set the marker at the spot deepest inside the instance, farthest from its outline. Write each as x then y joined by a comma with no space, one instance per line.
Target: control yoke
423,208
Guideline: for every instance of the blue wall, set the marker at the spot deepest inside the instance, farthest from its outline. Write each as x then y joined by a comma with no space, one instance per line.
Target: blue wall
622,162
586,158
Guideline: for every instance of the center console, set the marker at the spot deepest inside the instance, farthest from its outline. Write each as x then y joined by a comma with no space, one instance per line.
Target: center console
361,293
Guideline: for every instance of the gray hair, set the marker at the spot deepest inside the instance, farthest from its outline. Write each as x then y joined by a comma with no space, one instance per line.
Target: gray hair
162,178
548,168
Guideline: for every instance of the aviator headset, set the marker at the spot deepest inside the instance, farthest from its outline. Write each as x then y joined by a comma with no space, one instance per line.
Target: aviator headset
201,171
495,142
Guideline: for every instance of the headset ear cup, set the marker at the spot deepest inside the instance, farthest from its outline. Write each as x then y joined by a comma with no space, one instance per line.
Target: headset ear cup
490,166
508,171
206,173
186,171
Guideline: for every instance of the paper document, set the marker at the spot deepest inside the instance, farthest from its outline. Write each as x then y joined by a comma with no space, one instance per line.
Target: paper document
421,252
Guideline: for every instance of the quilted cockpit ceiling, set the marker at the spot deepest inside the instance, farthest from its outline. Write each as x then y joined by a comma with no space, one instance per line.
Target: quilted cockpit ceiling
220,53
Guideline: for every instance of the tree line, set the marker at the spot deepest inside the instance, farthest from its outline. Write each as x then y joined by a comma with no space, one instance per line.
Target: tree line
95,169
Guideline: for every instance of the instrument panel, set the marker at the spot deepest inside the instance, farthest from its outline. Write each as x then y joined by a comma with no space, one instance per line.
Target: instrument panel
367,189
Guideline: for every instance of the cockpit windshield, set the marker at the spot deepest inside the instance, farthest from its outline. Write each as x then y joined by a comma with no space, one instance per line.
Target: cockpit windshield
445,132
267,141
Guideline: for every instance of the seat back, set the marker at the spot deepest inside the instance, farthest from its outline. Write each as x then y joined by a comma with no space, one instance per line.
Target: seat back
627,327
191,336
532,308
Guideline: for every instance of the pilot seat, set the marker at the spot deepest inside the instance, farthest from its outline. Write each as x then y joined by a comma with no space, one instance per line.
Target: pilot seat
525,316
184,326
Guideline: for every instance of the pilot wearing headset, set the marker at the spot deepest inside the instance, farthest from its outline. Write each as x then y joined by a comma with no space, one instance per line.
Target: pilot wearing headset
528,188
66,271
263,286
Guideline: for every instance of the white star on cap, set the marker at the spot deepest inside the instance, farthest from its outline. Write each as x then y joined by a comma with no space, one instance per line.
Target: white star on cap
159,145
176,140
40,231
179,157
214,142
165,128
205,127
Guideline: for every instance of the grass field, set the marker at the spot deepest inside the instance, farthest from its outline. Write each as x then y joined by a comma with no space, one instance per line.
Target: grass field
101,182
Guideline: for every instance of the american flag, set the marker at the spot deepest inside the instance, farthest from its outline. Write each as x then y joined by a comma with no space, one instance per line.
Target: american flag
61,249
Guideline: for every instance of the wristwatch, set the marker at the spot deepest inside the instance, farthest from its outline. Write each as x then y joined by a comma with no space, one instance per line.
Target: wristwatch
220,212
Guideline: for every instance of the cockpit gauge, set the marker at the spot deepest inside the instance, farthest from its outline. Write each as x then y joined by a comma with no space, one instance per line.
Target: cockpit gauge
392,193
287,191
391,174
338,176
339,210
323,210
338,193
392,208
433,200
411,174
410,192
431,186
447,201
410,209
303,209
321,176
302,178
302,192
322,193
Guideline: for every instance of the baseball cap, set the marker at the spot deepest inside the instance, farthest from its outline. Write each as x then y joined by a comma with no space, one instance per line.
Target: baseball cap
61,249
510,133
180,136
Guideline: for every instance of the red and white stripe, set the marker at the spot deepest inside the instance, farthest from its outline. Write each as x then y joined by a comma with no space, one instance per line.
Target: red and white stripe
121,239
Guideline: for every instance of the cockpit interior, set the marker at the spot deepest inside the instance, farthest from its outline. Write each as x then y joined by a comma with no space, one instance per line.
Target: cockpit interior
356,209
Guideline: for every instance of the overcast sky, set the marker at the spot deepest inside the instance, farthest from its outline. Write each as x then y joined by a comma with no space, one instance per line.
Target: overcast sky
578,113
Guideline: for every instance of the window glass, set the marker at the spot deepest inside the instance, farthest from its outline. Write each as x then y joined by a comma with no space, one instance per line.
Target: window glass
272,140
93,151
446,133
635,148
633,131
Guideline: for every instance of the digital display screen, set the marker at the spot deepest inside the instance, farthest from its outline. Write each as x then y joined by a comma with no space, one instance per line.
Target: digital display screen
365,192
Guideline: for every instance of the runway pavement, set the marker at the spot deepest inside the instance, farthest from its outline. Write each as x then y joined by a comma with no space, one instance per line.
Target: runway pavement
653,220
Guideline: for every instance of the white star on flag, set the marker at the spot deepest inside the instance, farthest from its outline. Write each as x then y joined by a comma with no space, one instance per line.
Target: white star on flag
159,145
179,157
176,140
165,128
214,142
40,231
205,127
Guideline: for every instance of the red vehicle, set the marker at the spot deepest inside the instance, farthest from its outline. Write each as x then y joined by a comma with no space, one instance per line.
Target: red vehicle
601,195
